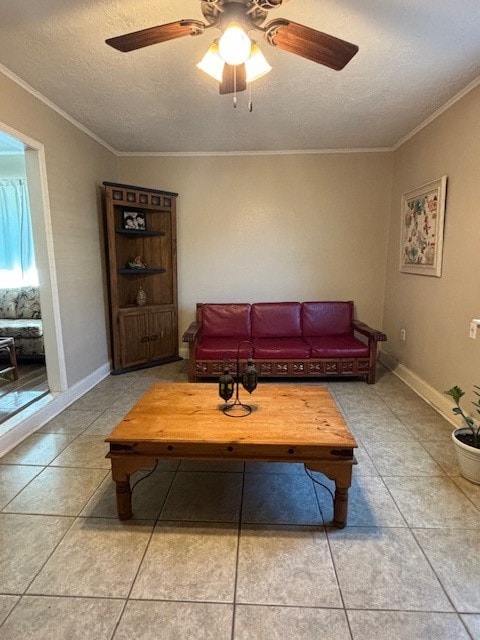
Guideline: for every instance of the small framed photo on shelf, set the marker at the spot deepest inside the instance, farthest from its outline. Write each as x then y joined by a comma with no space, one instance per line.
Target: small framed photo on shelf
134,220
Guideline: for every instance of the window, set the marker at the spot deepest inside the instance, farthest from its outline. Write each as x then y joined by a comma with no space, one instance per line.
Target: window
17,257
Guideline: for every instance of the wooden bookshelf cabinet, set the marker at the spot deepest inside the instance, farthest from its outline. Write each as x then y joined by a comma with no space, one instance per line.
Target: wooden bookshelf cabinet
141,335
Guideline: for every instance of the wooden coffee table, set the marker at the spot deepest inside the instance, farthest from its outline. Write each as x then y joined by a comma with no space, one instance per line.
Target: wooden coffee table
288,423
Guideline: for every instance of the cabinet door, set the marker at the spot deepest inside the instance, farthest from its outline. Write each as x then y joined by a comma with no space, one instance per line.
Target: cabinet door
134,337
163,338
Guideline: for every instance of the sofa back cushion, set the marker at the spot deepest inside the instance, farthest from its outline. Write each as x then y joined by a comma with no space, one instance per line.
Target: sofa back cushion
276,320
327,318
28,304
8,303
225,320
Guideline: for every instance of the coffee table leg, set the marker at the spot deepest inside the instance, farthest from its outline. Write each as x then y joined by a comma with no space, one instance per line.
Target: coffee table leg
122,468
340,507
341,474
124,496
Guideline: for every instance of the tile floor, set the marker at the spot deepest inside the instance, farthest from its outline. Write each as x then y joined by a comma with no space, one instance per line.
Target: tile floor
234,551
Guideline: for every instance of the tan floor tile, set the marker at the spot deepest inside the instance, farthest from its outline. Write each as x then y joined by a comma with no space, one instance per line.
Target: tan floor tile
6,605
444,455
148,497
280,498
229,466
433,502
286,565
210,497
13,478
57,491
94,401
98,558
73,422
38,449
378,429
187,561
105,423
455,559
472,623
175,621
42,618
471,490
406,625
273,623
274,467
26,543
369,503
393,566
85,451
402,459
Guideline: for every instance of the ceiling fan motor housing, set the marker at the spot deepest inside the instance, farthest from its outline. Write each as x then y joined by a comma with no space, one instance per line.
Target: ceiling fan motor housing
248,13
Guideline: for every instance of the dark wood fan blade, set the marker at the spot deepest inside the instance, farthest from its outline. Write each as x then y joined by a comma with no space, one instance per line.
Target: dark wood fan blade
311,44
155,35
230,83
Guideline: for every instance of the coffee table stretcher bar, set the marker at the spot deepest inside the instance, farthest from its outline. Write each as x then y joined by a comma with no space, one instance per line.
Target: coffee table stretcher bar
184,421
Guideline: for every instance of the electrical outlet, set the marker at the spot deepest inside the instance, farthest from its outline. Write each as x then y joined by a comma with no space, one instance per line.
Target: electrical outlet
473,330
403,334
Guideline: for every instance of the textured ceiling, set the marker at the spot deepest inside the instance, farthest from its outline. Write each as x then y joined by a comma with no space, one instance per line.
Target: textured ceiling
414,56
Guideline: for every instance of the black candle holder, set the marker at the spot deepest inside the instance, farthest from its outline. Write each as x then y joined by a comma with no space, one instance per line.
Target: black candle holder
229,384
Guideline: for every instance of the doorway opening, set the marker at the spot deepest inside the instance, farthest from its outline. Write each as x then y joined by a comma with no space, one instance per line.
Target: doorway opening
41,361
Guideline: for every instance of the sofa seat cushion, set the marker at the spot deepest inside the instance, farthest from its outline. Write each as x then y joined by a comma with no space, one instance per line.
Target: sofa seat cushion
226,321
274,348
327,318
221,349
344,346
276,320
19,328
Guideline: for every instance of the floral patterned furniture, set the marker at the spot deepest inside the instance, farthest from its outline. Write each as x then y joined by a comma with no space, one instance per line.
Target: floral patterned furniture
20,318
287,339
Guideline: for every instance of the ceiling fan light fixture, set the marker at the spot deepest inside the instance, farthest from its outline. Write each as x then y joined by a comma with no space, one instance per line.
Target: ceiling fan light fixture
234,45
256,66
212,63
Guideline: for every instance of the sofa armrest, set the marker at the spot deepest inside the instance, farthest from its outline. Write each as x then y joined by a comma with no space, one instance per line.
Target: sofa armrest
192,332
371,334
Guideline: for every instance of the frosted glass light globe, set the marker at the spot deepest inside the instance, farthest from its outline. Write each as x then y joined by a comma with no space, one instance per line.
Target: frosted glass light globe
234,45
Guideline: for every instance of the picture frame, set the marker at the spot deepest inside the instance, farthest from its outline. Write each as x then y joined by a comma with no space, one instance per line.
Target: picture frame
422,225
134,221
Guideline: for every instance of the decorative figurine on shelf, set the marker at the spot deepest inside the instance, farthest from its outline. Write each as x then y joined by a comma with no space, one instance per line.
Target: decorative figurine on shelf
137,263
141,297
227,383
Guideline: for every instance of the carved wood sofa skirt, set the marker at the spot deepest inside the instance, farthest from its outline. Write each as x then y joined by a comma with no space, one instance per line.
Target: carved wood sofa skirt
287,339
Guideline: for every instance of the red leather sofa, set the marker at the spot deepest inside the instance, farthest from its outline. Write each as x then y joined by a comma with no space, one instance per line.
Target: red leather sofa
287,339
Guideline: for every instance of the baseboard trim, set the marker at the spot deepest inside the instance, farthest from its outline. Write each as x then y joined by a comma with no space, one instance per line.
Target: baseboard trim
434,398
23,424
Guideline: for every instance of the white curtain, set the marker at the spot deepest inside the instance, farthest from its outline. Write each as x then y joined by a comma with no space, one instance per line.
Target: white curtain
17,257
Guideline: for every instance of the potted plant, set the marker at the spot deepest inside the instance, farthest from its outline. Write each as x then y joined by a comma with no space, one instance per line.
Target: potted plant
467,439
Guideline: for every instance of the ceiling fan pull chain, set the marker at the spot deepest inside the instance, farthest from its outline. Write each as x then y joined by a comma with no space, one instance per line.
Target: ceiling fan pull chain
235,87
250,103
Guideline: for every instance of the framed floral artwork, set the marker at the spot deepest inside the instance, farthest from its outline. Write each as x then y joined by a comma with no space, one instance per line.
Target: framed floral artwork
422,219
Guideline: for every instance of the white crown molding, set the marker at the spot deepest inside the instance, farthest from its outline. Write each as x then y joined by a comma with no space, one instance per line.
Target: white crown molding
52,105
472,85
291,152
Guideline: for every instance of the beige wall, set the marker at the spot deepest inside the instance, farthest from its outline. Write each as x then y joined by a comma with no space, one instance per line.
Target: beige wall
76,166
12,166
436,312
280,227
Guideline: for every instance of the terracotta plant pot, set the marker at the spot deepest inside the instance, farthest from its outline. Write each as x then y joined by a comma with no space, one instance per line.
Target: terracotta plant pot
468,457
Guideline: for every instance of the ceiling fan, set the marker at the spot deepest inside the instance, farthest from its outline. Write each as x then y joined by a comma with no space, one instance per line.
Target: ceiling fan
233,59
